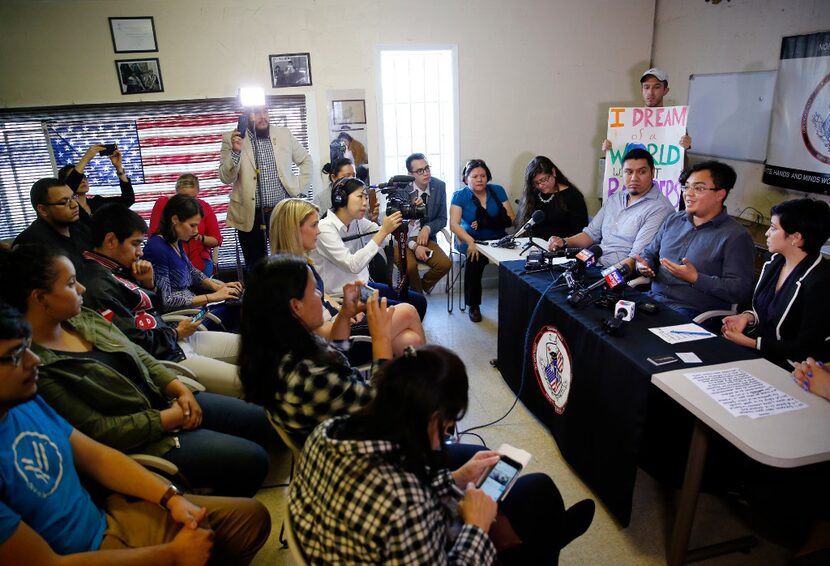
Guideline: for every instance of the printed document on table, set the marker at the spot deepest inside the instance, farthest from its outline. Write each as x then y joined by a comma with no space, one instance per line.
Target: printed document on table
682,333
743,394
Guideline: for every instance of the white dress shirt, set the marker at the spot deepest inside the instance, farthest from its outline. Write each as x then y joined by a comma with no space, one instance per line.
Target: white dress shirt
338,262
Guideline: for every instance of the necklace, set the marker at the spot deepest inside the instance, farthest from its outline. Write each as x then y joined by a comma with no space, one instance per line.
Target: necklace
546,200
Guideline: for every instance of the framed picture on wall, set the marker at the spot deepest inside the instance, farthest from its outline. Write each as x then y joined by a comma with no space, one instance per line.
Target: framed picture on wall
139,76
133,35
290,69
348,112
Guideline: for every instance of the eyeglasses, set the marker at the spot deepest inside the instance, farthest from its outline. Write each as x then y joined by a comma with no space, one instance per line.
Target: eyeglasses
67,202
697,188
16,355
422,170
543,181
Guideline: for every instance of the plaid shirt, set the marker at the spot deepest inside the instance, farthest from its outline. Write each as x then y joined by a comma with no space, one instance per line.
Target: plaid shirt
351,502
309,393
268,180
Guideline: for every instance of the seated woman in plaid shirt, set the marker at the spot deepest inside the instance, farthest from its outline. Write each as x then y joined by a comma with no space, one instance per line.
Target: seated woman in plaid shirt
300,378
374,487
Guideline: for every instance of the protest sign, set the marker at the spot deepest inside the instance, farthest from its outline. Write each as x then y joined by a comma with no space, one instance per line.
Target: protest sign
658,130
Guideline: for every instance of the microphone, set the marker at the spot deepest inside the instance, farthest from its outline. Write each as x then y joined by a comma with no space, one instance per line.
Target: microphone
568,253
395,182
538,216
611,277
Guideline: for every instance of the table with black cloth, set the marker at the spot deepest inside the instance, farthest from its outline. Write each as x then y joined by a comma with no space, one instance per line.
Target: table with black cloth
614,419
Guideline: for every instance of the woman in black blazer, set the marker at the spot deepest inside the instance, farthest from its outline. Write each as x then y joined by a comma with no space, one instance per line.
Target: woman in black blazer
790,315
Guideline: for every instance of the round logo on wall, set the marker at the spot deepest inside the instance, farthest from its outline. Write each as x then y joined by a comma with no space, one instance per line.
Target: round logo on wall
552,364
815,122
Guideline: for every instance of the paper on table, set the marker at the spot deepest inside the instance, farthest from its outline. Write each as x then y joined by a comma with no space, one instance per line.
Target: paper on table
689,357
743,394
682,333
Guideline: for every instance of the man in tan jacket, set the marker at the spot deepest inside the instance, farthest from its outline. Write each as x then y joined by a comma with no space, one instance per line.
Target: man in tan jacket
258,163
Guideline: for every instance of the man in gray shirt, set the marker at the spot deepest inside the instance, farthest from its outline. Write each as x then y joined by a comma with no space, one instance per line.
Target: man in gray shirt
701,259
629,219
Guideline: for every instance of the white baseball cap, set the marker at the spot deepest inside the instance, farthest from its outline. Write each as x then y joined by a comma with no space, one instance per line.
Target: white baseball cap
658,74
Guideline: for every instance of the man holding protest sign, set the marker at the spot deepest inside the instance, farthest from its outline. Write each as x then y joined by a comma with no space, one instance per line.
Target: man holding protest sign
630,217
655,85
701,259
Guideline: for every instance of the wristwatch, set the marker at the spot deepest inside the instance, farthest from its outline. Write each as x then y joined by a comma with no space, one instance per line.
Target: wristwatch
172,491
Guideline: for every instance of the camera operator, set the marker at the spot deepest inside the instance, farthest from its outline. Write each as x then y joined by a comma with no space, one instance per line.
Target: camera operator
348,242
422,245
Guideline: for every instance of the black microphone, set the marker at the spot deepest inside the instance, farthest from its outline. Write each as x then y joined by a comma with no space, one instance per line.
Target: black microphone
569,253
538,216
396,181
612,277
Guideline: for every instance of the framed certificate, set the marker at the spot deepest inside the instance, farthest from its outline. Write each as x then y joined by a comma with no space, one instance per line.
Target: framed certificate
133,34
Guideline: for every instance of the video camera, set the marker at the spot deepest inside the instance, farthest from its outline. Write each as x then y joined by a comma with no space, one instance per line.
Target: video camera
399,199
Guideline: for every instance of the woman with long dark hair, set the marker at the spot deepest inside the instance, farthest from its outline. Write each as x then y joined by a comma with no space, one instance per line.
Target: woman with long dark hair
374,487
299,377
337,169
115,392
479,211
294,230
179,284
549,190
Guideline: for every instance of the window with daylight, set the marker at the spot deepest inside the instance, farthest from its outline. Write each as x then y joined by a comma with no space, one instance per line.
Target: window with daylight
158,142
418,102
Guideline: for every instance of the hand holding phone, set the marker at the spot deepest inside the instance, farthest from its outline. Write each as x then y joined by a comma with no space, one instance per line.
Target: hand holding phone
498,479
242,125
109,149
200,315
366,293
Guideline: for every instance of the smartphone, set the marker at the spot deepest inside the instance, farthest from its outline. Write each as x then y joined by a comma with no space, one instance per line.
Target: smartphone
366,293
498,479
242,124
200,315
109,149
373,199
662,360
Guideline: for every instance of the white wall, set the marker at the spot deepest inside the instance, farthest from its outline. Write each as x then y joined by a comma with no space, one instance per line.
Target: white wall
535,76
692,37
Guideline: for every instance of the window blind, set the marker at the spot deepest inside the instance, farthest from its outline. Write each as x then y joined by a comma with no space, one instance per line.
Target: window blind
158,142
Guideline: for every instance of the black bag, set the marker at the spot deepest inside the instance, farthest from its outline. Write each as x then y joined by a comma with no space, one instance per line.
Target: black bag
485,221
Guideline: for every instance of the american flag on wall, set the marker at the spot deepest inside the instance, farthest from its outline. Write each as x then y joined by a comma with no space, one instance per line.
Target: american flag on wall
154,151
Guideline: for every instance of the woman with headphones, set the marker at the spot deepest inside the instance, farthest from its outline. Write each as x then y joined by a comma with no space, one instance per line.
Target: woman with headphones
348,242
479,211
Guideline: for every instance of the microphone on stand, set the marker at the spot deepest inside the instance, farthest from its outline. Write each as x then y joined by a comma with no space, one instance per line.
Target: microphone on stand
538,216
611,277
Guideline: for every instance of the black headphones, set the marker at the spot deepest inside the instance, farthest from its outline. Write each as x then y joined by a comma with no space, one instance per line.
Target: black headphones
341,190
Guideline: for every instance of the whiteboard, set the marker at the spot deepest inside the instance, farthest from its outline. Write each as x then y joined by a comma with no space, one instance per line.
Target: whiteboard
730,113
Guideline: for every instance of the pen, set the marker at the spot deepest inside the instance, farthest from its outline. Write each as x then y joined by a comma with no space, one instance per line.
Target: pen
690,332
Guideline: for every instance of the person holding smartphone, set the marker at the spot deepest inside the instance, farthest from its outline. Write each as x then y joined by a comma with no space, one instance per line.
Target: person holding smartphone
385,468
73,175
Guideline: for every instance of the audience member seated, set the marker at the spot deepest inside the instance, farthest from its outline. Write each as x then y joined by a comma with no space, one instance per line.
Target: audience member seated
336,170
74,177
478,211
341,259
299,377
629,219
115,392
57,223
422,244
200,247
701,259
813,376
46,514
294,230
384,472
790,307
121,287
549,190
178,282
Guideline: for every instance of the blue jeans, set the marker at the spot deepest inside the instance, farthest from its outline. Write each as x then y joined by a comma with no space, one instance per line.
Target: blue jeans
414,298
227,453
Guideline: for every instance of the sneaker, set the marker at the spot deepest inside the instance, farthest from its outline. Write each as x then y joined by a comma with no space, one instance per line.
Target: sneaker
475,314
